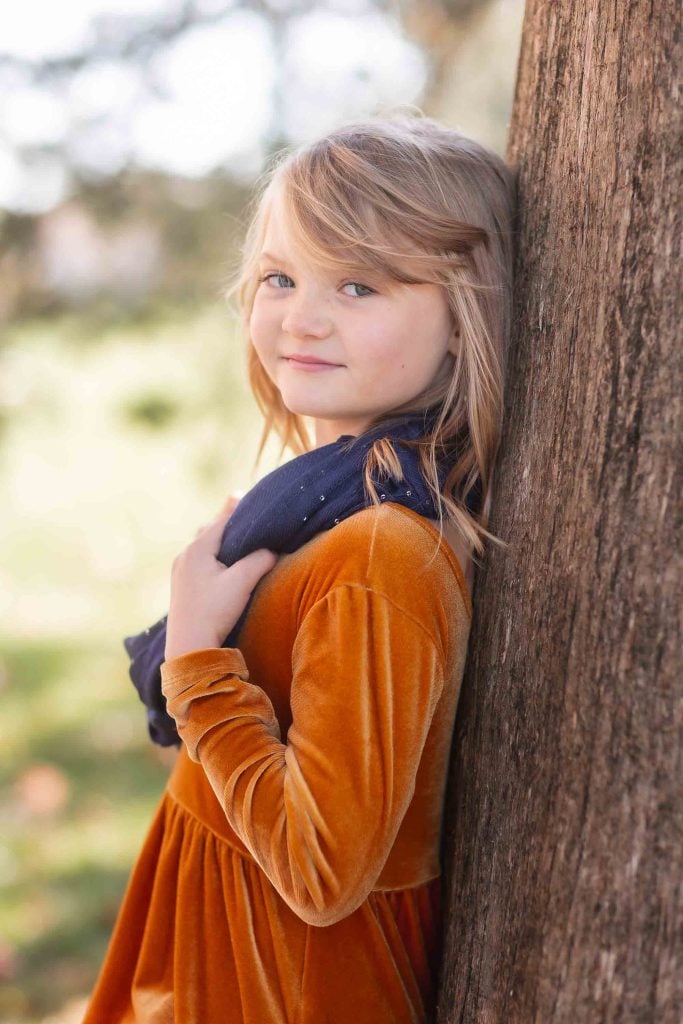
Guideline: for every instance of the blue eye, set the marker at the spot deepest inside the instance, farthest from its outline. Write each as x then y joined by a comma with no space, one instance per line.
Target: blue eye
278,274
357,284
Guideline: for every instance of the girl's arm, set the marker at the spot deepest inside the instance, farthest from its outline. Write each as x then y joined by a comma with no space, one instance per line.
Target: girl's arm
320,812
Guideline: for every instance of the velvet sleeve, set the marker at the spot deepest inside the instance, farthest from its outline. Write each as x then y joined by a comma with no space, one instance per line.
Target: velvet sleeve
320,811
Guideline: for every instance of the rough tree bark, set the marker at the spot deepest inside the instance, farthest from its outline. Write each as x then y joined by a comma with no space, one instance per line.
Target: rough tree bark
563,840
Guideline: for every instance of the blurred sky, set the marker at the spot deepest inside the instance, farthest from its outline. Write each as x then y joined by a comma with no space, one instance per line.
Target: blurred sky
204,101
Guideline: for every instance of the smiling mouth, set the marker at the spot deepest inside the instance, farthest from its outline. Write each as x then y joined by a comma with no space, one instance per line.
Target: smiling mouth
309,359
310,364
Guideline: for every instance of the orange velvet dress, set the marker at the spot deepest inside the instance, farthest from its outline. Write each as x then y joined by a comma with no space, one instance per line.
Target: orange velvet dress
291,873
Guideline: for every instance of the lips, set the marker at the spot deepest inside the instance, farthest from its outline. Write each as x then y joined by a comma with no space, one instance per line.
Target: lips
311,360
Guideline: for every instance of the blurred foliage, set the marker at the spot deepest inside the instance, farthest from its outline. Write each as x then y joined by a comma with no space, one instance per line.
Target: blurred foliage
79,781
123,441
152,410
189,233
119,441
131,237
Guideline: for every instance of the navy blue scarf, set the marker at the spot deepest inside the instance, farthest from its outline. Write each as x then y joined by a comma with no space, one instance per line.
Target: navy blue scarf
287,507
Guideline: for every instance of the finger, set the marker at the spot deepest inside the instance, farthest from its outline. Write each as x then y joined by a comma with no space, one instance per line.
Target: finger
255,565
262,559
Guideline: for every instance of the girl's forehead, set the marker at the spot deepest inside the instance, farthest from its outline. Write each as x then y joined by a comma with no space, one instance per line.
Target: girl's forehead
287,241
283,243
281,227
296,240
279,237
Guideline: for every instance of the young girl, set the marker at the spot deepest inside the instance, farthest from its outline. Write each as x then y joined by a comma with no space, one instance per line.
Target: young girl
292,871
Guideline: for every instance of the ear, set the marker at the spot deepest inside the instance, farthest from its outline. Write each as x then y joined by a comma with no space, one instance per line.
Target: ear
454,341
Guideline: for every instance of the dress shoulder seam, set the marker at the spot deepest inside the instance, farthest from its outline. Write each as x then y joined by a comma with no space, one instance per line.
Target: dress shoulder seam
346,585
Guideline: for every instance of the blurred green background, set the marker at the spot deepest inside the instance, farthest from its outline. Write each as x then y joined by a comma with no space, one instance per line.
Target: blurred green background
125,417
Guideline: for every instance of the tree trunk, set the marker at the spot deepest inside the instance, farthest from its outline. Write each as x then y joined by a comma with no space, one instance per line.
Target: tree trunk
563,840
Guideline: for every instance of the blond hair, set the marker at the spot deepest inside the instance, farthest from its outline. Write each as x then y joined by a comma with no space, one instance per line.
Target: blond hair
421,202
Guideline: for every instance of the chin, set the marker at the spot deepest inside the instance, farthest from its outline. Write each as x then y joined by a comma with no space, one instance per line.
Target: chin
303,405
296,404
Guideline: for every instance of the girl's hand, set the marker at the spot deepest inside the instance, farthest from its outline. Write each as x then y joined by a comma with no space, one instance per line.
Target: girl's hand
207,597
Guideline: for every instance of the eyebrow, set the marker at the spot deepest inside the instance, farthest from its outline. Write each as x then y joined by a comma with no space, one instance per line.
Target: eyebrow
271,256
377,277
359,268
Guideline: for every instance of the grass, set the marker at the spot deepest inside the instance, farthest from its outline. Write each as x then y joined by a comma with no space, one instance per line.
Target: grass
79,781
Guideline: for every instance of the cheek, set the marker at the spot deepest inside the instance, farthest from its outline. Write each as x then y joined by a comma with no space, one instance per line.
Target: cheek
260,328
392,355
404,356
387,349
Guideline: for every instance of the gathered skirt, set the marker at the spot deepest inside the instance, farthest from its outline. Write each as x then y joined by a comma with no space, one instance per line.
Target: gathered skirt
203,937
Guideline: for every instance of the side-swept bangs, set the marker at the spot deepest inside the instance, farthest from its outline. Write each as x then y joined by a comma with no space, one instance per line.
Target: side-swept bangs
346,212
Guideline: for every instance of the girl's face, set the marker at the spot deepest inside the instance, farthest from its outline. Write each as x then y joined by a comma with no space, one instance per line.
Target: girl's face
382,342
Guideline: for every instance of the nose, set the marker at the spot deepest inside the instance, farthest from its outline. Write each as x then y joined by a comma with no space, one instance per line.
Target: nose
306,316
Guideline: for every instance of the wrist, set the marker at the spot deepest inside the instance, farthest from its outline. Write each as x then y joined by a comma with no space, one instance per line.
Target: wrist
177,645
